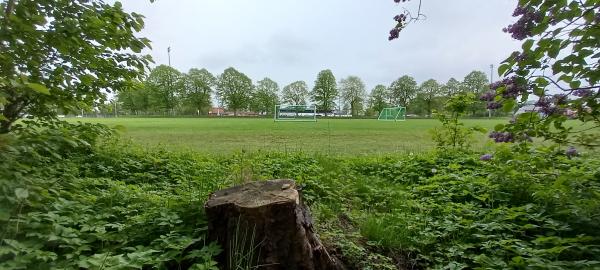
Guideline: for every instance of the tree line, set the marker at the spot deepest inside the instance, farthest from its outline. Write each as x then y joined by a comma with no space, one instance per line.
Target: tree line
167,91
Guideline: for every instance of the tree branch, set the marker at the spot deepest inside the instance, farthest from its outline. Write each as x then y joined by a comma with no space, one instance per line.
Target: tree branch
10,5
562,88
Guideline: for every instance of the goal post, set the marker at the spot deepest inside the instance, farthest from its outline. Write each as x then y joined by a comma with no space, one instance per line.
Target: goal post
295,113
392,114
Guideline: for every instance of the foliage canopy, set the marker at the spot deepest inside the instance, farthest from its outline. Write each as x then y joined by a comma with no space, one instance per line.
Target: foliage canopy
65,55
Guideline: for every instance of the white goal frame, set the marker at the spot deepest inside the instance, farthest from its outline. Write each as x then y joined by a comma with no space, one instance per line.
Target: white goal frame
293,112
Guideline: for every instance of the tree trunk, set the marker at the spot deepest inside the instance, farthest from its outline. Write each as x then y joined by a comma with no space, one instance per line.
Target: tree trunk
265,225
11,113
5,126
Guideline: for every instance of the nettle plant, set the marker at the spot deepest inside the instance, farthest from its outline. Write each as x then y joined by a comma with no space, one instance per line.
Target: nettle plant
557,71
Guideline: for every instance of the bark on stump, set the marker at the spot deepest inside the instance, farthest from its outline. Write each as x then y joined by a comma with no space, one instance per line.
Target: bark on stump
265,225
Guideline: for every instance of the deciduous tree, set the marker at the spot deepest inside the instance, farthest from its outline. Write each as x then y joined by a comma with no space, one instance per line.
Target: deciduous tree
477,83
378,98
265,96
353,92
325,91
134,99
402,91
295,93
451,88
234,89
428,91
198,87
60,55
166,87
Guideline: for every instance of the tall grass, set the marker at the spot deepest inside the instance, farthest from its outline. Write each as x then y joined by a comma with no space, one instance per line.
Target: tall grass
244,252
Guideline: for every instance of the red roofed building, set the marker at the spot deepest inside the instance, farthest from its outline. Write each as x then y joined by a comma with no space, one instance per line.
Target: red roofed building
216,111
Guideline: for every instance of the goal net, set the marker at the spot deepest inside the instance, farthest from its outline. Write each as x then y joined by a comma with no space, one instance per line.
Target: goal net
295,113
392,114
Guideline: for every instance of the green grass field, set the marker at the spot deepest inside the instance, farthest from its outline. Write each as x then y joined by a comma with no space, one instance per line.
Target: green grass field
327,136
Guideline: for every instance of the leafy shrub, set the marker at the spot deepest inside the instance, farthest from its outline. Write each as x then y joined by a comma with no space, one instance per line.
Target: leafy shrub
453,134
61,210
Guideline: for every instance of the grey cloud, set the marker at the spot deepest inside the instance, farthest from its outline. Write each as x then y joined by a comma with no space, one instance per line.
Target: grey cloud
294,40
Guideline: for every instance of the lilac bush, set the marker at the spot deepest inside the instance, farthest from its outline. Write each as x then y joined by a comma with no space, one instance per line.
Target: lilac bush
557,68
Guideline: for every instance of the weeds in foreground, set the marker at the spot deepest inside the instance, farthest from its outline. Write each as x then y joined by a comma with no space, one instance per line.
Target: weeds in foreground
68,204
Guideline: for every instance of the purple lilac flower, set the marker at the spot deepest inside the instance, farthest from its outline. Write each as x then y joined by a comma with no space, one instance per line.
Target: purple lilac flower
512,88
523,27
394,33
551,110
493,105
517,30
488,96
502,136
582,92
511,91
519,11
571,151
546,107
496,85
400,18
485,157
543,102
560,99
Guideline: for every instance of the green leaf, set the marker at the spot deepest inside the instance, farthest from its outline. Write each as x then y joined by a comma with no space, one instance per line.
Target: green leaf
86,79
21,193
575,84
527,45
538,91
565,78
554,48
4,215
39,88
508,105
503,68
541,81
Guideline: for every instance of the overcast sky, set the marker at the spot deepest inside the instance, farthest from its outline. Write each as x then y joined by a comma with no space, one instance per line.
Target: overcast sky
290,40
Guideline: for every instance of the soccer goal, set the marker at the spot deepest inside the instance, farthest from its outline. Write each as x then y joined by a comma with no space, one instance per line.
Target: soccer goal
306,113
392,114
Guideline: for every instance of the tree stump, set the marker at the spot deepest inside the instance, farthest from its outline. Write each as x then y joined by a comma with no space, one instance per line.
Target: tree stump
265,225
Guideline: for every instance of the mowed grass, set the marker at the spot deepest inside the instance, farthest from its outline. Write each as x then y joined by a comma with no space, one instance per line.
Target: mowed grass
327,136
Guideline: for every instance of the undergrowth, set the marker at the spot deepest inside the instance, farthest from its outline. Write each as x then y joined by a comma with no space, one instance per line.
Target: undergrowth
67,201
